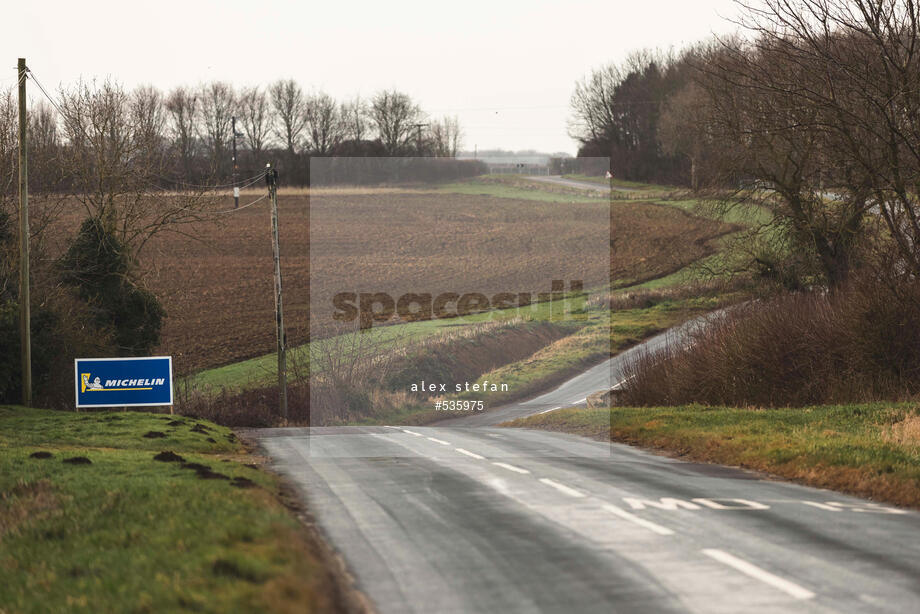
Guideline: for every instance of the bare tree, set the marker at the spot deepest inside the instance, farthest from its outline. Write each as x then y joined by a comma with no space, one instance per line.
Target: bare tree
43,129
148,113
857,63
9,169
289,107
45,187
44,149
394,114
183,109
683,128
217,103
615,114
113,161
256,119
324,124
355,117
445,136
593,105
778,148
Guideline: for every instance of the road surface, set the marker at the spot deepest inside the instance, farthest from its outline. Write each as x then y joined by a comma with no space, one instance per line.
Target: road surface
584,185
465,516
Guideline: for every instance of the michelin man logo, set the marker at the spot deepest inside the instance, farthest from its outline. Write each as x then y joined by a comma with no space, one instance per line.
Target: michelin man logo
96,384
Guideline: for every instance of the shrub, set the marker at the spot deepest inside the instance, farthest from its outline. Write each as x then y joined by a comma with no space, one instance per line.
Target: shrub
858,343
99,266
59,334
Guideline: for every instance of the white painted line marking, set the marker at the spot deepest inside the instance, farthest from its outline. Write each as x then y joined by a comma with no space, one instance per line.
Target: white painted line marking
412,433
562,488
822,506
440,441
579,401
546,411
642,522
510,467
790,588
470,454
392,427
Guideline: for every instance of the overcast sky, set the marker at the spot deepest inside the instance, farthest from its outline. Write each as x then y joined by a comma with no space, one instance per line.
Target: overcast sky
506,68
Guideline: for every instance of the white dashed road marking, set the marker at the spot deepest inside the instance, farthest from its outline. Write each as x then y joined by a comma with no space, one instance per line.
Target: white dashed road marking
562,488
440,441
412,433
790,588
510,467
642,522
470,454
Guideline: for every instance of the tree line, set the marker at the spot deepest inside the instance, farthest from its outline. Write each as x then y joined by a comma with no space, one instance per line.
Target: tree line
186,135
134,163
806,126
811,112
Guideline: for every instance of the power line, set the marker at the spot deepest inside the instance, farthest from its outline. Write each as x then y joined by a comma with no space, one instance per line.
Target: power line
234,210
250,180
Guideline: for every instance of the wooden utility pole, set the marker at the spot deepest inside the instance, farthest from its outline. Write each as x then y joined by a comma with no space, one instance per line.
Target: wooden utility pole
236,189
418,137
25,331
271,177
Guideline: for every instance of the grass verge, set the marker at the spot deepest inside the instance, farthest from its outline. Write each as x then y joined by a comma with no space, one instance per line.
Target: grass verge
604,334
870,450
615,183
518,187
91,521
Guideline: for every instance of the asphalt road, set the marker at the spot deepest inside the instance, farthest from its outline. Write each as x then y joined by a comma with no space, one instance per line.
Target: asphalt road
464,516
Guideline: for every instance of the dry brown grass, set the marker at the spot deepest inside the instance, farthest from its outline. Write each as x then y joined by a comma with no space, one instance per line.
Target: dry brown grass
905,432
859,343
27,501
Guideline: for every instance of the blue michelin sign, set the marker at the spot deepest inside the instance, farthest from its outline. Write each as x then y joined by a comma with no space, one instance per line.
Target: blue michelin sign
124,382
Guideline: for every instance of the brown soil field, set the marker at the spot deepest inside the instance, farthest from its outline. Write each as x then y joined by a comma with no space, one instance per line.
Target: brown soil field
217,287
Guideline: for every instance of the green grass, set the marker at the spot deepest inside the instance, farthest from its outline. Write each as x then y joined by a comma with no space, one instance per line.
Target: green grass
602,335
597,341
35,427
744,215
521,189
623,183
261,371
871,450
718,262
127,533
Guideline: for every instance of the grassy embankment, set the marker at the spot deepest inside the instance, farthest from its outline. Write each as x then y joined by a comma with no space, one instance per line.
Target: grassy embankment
601,335
870,450
260,371
587,342
615,183
515,186
90,521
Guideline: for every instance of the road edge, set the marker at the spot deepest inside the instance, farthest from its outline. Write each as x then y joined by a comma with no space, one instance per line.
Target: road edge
347,597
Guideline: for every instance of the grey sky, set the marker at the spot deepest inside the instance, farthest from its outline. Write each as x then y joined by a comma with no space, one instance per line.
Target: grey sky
506,68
